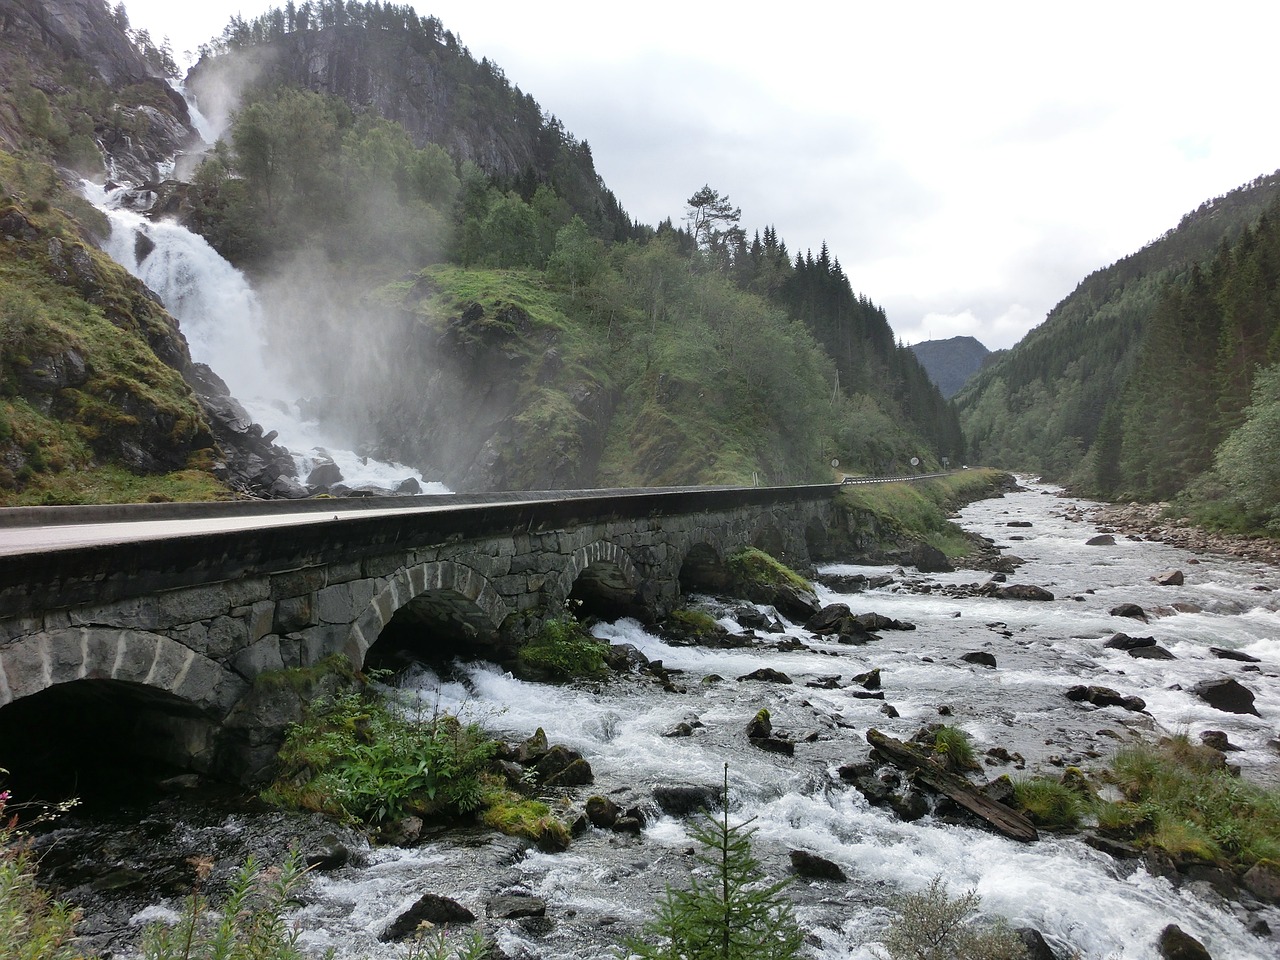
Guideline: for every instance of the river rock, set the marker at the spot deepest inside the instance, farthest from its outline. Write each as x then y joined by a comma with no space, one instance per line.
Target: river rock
430,908
1175,944
869,680
1022,591
752,619
766,675
811,865
1238,655
979,657
602,812
1104,697
1226,695
1217,740
1131,610
829,619
1101,540
1036,946
625,658
760,726
1122,641
1170,578
329,853
1263,881
682,799
324,475
1152,652
562,767
516,907
876,621
929,559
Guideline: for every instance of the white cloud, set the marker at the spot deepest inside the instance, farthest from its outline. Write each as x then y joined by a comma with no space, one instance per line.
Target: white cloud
964,161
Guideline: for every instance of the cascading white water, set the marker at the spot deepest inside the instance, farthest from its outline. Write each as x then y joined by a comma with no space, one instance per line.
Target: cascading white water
222,319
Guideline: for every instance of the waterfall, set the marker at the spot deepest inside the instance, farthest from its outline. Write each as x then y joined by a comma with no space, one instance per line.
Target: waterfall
224,323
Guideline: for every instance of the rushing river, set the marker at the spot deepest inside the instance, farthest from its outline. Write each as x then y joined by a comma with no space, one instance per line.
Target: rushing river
1081,900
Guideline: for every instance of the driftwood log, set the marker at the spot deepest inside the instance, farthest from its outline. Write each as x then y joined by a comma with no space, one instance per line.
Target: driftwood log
917,763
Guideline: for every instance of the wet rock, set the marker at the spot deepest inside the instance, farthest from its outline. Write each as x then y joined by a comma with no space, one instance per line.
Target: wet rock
516,907
1226,695
876,621
324,475
751,618
430,908
1263,881
562,767
829,619
329,853
766,675
980,658
682,729
825,683
869,680
404,832
1131,610
1022,591
1217,739
532,749
1102,540
760,726
890,711
1122,641
625,658
1153,652
910,806
409,486
1170,578
1035,944
680,800
602,812
811,865
775,745
1175,944
929,559
1000,790
1104,697
1238,655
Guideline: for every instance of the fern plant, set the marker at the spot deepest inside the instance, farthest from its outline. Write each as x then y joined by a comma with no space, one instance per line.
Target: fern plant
730,911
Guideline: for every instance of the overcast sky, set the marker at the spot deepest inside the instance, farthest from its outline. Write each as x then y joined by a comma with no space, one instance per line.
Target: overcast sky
969,163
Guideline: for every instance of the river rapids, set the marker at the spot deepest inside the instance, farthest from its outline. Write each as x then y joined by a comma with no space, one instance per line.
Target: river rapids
606,885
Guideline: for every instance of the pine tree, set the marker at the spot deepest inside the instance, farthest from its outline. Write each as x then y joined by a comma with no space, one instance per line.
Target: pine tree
729,912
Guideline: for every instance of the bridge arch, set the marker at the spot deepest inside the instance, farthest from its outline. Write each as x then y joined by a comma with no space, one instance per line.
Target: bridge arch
92,709
439,596
702,567
602,576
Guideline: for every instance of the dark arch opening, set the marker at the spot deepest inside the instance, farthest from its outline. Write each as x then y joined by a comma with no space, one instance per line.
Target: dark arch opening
818,541
602,591
703,571
100,741
434,628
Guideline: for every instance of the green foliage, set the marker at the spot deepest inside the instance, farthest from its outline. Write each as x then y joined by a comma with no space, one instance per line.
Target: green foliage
1048,802
730,910
932,926
953,748
360,758
249,925
563,650
753,566
919,511
435,945
35,926
1180,797
697,623
1246,462
517,816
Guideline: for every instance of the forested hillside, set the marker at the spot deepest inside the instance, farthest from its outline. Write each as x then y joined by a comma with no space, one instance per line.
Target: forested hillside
1143,374
1040,405
681,353
442,266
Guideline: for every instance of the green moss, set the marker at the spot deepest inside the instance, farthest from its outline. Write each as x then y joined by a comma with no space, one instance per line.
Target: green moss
752,565
304,679
508,812
697,623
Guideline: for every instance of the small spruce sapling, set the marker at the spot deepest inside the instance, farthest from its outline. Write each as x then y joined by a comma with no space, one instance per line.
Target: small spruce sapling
730,910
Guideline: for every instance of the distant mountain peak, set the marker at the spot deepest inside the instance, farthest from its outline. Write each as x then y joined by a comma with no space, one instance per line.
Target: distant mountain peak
951,362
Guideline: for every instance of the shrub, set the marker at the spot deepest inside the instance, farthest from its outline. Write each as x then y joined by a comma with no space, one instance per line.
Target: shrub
1048,802
249,926
730,913
35,926
355,757
932,926
562,650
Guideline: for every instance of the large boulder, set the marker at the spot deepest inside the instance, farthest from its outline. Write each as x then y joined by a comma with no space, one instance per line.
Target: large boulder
1226,695
1176,944
430,908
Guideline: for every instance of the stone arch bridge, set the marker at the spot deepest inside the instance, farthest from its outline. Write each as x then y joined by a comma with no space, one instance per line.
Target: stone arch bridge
164,631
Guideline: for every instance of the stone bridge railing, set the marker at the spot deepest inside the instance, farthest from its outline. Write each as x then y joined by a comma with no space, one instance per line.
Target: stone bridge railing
196,620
